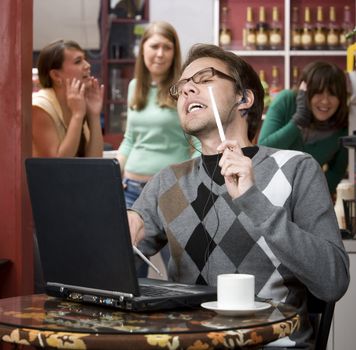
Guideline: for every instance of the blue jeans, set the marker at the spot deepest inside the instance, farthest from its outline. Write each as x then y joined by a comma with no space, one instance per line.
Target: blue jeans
133,190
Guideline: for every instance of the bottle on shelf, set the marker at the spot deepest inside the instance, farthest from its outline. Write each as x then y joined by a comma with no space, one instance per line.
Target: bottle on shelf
332,38
249,32
138,32
346,27
262,31
267,97
295,78
225,35
114,122
275,34
319,30
274,87
307,31
115,84
295,30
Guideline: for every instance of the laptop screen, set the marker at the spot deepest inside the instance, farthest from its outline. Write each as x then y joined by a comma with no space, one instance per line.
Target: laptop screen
81,223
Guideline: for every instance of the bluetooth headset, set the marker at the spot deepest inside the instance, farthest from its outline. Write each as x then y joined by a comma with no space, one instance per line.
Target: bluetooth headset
243,99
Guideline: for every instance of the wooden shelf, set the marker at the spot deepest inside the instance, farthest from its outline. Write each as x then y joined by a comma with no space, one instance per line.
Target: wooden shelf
317,53
259,53
118,37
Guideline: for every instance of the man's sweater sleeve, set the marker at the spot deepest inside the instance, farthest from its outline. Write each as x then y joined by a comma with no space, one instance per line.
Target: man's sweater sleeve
306,238
147,207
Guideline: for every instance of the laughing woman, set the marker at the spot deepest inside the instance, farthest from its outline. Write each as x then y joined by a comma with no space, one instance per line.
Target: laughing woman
312,119
66,111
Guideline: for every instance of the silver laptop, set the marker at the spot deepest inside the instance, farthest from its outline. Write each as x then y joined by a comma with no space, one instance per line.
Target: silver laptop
84,242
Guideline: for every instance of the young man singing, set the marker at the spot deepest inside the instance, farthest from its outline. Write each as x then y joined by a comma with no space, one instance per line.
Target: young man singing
241,208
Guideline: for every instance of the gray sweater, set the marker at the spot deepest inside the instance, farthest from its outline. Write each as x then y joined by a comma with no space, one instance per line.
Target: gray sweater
283,229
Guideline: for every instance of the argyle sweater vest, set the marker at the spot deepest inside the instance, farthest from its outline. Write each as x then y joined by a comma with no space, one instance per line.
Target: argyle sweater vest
209,233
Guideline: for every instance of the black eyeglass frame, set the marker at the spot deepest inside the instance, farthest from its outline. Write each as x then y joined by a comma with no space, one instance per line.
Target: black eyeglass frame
176,89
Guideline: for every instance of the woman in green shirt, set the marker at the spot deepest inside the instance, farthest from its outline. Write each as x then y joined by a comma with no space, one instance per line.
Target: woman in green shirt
312,119
153,138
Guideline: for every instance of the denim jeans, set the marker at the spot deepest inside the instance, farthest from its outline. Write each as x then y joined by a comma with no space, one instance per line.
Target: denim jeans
133,190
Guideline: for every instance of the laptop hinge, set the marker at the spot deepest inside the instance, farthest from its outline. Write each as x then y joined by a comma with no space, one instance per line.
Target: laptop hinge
101,292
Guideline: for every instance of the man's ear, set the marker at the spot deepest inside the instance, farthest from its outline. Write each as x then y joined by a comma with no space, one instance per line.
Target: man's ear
246,101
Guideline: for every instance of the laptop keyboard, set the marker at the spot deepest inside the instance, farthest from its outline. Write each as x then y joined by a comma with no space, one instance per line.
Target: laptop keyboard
154,291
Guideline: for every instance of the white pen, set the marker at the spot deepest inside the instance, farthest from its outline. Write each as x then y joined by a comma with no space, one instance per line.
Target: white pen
216,114
147,261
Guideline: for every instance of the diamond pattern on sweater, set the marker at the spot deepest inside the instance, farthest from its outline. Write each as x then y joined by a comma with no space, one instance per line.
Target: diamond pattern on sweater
171,212
263,244
274,288
282,157
183,231
256,262
200,246
278,189
236,240
201,280
202,208
228,241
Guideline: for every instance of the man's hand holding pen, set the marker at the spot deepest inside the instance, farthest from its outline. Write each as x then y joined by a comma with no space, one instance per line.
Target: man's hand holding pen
236,168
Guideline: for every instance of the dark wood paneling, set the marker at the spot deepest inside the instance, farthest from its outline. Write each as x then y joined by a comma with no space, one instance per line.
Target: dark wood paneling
15,145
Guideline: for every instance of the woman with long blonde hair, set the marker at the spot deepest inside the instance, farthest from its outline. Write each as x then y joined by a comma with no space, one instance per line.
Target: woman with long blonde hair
153,138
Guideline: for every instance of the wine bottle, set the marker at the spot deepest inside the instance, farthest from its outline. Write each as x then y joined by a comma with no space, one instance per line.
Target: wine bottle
274,87
295,77
346,27
319,30
307,32
332,38
249,37
225,36
262,31
275,35
267,97
295,39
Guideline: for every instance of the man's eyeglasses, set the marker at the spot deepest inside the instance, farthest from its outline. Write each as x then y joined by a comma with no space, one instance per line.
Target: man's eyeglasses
201,77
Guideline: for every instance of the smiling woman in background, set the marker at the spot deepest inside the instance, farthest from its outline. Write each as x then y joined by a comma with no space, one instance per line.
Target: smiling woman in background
312,119
66,111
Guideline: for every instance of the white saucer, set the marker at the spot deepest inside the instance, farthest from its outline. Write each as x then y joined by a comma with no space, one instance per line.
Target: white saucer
213,305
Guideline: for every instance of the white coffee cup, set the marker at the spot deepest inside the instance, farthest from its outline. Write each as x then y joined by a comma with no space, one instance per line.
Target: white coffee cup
236,291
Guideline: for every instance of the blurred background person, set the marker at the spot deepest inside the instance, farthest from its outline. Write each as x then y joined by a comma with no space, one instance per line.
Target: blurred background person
66,110
312,119
153,138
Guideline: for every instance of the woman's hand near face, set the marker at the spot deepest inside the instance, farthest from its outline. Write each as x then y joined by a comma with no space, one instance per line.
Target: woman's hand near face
75,91
303,115
303,86
94,95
